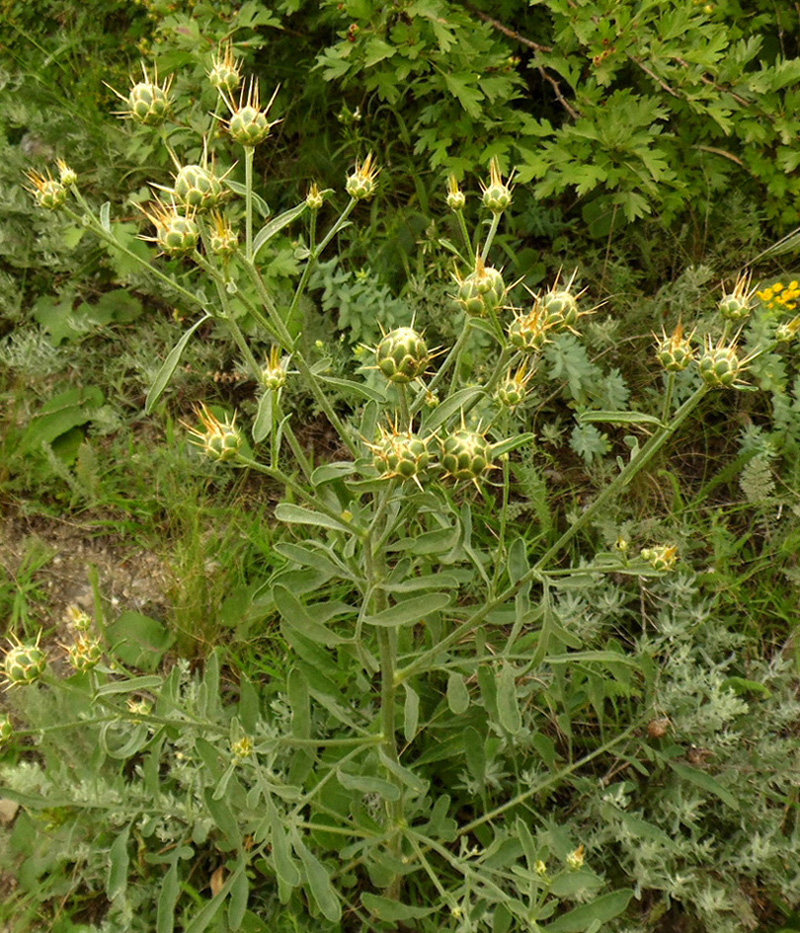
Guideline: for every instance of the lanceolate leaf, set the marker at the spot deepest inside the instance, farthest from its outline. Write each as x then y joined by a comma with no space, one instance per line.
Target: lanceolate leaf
410,611
268,231
170,365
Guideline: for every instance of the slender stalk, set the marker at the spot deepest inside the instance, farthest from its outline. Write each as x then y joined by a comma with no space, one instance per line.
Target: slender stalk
668,396
492,231
462,226
249,153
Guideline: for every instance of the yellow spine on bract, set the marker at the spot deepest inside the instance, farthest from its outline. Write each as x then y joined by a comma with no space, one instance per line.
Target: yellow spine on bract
466,455
788,331
736,305
530,331
455,196
402,355
513,390
674,352
249,125
148,102
400,454
660,557
84,654
720,366
219,440
497,194
482,291
273,375
24,663
361,183
314,198
222,238
225,74
67,175
49,193
176,232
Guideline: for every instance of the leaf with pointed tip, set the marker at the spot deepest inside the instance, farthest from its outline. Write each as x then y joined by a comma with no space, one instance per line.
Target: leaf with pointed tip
170,365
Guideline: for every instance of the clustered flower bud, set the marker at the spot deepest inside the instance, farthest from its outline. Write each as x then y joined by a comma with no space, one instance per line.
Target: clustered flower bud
225,74
400,454
513,390
719,366
67,175
361,182
198,188
222,238
466,455
482,291
176,232
84,654
249,125
660,557
529,331
24,663
273,375
148,102
49,193
497,194
675,352
736,306
455,196
315,198
402,355
6,730
219,440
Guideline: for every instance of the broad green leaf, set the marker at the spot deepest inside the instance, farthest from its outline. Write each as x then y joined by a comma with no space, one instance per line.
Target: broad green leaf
138,640
223,816
410,611
118,860
237,905
274,226
258,202
262,423
59,415
298,515
319,881
392,911
600,910
450,407
505,447
355,388
410,713
706,782
297,692
507,707
170,365
431,581
517,560
332,471
167,898
295,615
439,541
457,694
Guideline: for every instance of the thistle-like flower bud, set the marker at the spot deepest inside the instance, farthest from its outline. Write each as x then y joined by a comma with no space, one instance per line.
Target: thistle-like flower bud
785,333
315,198
497,194
78,620
219,440
222,238
482,291
148,102
529,331
198,188
6,730
402,355
241,749
660,557
176,233
575,858
675,352
361,182
455,196
49,193
466,455
84,654
400,454
24,663
273,375
737,305
67,175
513,390
561,308
719,365
249,125
225,74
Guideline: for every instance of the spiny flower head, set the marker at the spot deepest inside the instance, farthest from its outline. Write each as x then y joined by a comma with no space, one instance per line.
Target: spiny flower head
674,352
402,355
176,231
148,102
482,291
466,455
68,176
222,238
361,182
196,186
720,365
788,331
315,198
575,858
455,196
225,74
497,194
242,748
513,390
560,304
219,440
78,620
400,454
24,662
273,375
660,557
530,331
781,296
49,193
737,305
249,125
84,654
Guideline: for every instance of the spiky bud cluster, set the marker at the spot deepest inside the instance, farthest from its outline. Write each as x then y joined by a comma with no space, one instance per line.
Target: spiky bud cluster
148,102
785,333
561,309
529,331
176,232
242,748
198,188
78,620
6,730
466,455
575,858
219,440
84,654
273,375
455,196
482,291
249,125
315,198
222,238
719,366
67,175
675,352
361,182
49,193
402,355
400,454
225,74
24,663
660,557
737,305
513,390
497,194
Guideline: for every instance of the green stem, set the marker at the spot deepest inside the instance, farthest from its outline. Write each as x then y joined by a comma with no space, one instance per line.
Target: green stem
249,153
462,226
441,372
492,231
294,443
668,396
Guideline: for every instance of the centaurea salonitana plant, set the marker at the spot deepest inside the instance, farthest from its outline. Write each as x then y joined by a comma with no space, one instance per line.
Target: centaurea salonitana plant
415,649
